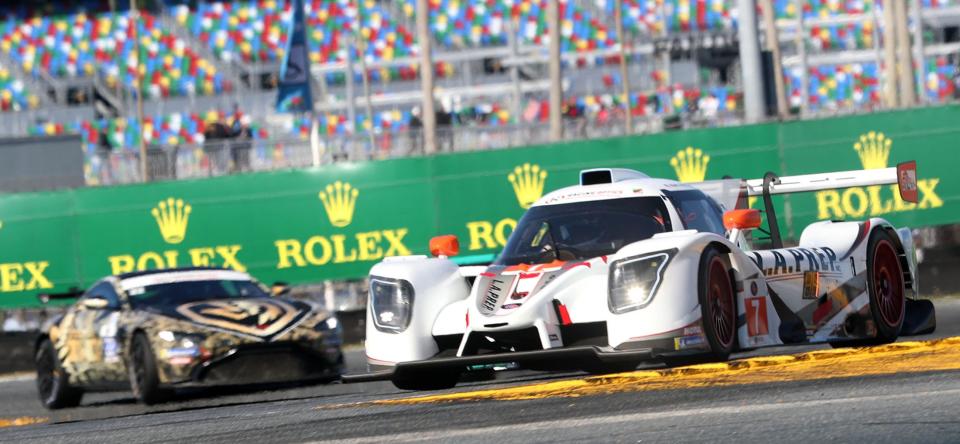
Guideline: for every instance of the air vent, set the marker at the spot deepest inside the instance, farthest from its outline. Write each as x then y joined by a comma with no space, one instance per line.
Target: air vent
594,177
609,175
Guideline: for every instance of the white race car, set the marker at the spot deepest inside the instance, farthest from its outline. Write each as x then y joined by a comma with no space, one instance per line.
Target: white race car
624,268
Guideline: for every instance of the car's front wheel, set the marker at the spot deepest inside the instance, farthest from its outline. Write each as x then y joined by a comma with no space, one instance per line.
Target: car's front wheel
53,384
717,308
717,303
142,367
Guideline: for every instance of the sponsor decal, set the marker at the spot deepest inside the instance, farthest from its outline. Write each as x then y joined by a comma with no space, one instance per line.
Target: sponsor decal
339,200
795,260
495,289
585,194
321,250
873,149
687,342
756,316
225,256
172,216
527,180
811,284
907,181
262,318
690,164
493,298
23,276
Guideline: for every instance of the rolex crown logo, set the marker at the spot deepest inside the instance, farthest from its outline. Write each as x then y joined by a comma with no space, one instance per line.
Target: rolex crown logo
339,199
172,216
690,165
527,181
873,149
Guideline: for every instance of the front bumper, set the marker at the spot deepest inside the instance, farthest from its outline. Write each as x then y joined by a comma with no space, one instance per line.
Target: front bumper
680,342
551,359
265,363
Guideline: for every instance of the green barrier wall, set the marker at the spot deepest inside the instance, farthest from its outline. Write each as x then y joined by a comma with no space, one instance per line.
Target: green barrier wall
337,221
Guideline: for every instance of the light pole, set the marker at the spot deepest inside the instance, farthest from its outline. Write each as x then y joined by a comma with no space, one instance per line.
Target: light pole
429,115
138,84
556,95
750,61
624,72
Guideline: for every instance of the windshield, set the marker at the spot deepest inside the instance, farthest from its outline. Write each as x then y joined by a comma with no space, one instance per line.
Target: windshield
177,293
583,230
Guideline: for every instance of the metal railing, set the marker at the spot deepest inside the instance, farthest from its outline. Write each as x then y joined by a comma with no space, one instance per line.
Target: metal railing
222,157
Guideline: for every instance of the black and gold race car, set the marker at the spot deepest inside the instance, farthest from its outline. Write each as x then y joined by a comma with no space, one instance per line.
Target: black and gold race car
155,331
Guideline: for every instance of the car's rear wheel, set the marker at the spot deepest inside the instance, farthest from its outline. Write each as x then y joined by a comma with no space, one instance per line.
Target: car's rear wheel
53,385
142,367
887,301
886,291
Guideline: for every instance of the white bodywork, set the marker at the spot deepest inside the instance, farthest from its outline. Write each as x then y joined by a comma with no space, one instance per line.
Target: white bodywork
447,312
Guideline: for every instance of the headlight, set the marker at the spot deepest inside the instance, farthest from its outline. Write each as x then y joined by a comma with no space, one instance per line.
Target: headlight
178,340
391,302
330,323
634,281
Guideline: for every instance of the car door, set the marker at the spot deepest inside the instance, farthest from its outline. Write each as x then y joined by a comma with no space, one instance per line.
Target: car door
93,342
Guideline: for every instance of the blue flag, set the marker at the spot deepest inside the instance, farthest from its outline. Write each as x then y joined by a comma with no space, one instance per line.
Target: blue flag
293,89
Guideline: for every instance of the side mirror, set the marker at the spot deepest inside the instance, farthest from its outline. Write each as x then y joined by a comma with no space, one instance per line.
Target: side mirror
746,219
95,303
445,246
279,289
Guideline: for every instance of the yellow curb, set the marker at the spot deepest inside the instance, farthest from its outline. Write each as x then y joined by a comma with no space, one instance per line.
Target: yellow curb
21,421
903,357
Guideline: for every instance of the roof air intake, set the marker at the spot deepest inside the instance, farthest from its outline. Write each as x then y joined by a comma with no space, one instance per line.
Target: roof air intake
608,175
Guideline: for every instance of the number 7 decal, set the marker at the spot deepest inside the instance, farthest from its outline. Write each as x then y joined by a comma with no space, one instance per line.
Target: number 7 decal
756,316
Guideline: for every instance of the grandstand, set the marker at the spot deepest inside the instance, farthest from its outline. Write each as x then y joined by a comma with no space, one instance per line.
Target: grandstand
73,67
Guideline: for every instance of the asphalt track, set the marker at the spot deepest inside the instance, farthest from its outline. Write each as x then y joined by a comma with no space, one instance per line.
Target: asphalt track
908,391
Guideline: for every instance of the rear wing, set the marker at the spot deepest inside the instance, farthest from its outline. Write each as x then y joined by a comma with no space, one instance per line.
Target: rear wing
904,175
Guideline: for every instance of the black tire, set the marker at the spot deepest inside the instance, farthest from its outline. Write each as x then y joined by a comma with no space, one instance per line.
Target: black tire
142,367
718,305
53,385
886,290
428,381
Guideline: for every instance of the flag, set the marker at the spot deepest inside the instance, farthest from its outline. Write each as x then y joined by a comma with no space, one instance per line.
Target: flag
293,89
